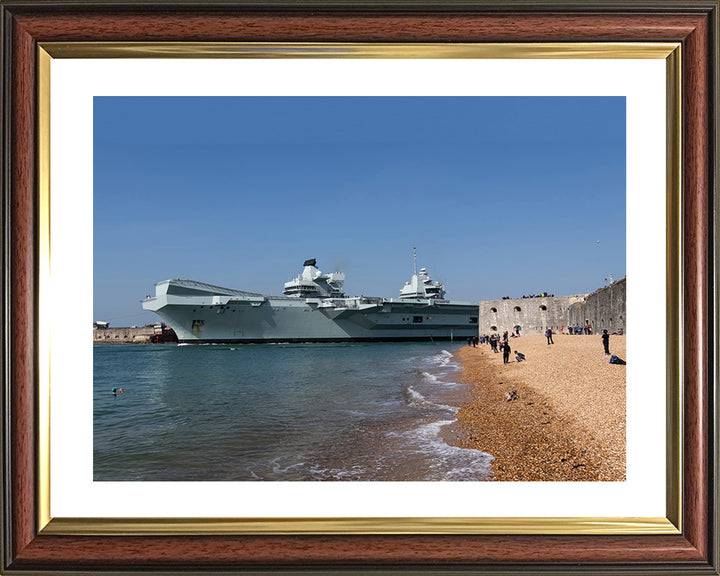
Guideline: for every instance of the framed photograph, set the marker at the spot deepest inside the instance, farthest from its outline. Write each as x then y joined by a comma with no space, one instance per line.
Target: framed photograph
164,137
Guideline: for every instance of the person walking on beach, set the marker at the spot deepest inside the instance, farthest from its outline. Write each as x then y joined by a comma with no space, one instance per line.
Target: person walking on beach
506,352
548,335
606,342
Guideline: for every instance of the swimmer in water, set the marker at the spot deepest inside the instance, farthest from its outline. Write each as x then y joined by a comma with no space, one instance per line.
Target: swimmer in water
114,391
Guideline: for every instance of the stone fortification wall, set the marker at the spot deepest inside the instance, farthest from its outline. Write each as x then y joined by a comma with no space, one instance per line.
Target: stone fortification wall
134,335
532,315
123,335
604,309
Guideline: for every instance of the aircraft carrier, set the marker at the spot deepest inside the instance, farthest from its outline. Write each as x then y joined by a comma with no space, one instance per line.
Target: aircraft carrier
313,308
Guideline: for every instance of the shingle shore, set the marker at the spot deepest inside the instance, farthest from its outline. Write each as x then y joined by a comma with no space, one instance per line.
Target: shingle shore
568,421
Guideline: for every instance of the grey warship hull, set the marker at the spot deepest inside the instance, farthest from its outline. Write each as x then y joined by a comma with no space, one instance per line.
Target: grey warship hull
201,313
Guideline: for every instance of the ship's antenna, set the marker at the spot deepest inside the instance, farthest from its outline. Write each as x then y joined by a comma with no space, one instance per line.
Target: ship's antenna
415,260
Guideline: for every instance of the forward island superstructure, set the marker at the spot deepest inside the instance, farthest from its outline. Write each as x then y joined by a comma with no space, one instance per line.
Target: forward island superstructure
313,308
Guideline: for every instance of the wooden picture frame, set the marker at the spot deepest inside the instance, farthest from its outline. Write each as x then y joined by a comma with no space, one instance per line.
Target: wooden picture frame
29,548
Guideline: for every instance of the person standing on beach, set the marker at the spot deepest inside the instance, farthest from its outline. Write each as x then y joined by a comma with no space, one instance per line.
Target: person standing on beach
606,342
548,335
506,352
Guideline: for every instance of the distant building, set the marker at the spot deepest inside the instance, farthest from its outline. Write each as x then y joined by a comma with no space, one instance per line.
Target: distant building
604,309
526,315
152,333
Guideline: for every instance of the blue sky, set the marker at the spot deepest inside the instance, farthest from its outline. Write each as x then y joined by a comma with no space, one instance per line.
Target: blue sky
500,195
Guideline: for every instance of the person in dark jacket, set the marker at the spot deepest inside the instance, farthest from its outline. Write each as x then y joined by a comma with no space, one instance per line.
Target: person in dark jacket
548,335
506,352
606,342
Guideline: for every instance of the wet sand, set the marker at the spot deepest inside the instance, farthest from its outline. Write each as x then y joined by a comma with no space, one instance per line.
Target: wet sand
568,420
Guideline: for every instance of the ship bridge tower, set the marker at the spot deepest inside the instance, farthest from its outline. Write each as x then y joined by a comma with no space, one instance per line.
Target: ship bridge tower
421,285
312,283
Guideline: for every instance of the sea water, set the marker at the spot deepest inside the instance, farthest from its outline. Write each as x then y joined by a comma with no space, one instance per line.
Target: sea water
360,411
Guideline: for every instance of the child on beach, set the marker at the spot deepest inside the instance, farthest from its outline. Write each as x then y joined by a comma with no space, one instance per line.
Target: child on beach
519,356
506,353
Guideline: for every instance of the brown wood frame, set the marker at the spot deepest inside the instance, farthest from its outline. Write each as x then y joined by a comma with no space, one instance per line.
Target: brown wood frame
692,23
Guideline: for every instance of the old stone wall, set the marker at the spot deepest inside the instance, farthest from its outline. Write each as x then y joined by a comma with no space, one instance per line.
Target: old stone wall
123,335
604,309
531,315
158,333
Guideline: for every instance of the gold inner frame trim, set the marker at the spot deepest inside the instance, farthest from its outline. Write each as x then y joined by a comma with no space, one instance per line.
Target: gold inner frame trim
356,525
674,310
289,526
43,170
568,50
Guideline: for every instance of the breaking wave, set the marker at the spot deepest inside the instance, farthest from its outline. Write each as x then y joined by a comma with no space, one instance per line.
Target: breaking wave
414,398
443,461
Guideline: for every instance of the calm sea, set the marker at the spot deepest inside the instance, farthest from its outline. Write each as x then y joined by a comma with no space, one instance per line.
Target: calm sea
279,412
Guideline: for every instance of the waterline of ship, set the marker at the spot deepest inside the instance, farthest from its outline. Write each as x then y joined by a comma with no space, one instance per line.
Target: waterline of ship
279,412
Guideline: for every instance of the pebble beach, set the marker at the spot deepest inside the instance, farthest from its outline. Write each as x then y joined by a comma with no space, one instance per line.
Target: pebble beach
559,415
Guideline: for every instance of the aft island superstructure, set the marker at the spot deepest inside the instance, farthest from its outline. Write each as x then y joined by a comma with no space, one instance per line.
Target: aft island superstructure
313,308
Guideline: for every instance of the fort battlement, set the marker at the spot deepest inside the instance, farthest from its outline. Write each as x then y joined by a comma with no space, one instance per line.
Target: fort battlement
103,334
604,309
